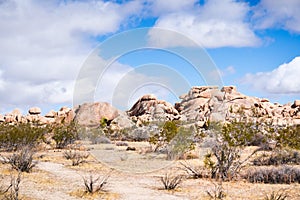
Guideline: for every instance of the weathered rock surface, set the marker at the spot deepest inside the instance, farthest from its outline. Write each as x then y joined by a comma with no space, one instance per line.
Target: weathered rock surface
149,108
209,103
90,114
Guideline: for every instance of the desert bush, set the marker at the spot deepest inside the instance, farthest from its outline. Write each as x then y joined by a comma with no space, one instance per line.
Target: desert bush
217,192
288,137
14,137
224,159
104,122
181,143
165,135
274,175
21,160
75,156
171,182
64,134
174,139
11,192
278,157
92,185
279,195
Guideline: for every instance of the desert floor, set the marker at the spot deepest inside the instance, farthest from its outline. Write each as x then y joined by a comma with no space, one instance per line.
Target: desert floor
133,176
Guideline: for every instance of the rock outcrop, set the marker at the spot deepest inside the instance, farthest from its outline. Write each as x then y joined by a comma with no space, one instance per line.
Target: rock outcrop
200,105
209,103
149,108
65,115
90,114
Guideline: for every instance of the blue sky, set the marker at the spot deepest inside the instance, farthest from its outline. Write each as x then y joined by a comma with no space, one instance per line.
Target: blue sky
255,45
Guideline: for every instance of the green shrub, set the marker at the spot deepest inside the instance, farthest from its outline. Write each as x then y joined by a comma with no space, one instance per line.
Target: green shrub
181,143
65,134
174,138
288,137
14,137
168,131
224,160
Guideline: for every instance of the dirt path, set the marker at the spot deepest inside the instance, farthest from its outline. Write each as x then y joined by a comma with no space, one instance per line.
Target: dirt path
127,186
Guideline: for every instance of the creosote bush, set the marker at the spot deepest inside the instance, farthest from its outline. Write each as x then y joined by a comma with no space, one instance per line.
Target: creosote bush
171,182
224,160
174,139
288,137
14,137
64,134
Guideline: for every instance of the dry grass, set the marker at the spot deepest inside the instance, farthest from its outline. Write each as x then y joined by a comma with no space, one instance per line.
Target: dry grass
80,193
39,183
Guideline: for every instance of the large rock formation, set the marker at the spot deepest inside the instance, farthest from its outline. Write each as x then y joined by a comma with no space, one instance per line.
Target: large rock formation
149,108
90,114
209,103
200,104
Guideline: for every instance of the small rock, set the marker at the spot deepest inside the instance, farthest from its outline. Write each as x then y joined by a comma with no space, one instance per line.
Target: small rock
229,89
34,111
131,149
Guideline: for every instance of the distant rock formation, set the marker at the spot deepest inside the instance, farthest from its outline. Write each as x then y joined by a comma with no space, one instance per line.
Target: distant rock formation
64,115
200,105
209,103
149,108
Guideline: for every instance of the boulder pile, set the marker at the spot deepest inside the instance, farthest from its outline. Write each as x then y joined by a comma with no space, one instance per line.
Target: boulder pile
148,108
199,105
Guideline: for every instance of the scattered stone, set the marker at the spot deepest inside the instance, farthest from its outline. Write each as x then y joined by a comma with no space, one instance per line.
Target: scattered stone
131,149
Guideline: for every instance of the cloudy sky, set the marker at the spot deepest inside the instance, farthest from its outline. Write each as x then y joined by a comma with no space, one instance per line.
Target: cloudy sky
255,45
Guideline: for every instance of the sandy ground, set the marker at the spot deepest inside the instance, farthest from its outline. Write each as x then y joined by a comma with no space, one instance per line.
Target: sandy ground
54,178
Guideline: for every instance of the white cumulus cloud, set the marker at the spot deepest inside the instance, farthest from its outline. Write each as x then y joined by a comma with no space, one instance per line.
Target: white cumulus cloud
278,14
44,43
282,80
214,24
